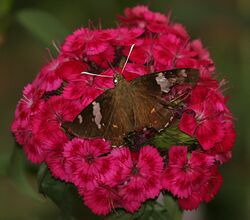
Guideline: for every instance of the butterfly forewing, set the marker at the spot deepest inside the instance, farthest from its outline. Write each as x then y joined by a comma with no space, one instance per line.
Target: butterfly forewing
130,106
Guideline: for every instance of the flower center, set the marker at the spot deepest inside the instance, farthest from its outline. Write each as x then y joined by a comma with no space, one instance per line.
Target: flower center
89,159
135,170
186,167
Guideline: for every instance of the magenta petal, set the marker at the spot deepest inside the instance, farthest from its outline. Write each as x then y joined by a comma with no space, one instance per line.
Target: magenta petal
188,123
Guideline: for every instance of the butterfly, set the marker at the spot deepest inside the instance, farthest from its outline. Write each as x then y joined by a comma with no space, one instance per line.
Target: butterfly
130,106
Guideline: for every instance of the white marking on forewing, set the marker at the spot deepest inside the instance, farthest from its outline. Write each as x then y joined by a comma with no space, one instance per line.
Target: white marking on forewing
183,73
80,119
97,114
163,82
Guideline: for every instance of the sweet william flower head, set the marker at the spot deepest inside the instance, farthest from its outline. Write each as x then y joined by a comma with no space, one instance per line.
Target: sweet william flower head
127,176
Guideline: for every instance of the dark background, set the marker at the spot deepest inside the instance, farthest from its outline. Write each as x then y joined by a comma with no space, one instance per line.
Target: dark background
223,26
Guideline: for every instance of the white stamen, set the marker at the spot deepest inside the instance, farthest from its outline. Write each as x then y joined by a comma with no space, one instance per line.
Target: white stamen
130,51
55,46
27,99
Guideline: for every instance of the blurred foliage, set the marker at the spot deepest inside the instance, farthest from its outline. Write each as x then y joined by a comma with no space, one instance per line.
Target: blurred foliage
17,173
64,195
28,26
42,25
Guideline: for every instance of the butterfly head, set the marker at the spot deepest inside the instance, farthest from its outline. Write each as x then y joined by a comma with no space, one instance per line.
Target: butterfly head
117,78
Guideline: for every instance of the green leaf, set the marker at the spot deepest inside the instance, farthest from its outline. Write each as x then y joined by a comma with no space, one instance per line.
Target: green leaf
42,25
5,18
17,173
172,208
64,195
172,136
4,161
5,6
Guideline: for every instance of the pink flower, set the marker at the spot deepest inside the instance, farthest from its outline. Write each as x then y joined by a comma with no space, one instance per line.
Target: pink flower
71,70
191,202
206,115
141,173
87,87
86,162
103,59
102,200
141,54
182,175
87,42
48,80
222,149
201,124
82,88
27,107
142,17
54,156
48,121
106,177
205,193
33,150
133,71
127,37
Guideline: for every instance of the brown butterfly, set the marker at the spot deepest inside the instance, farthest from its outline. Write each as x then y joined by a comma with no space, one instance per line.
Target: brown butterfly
130,106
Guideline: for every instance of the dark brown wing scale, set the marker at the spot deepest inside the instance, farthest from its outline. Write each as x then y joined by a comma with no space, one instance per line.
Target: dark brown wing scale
130,106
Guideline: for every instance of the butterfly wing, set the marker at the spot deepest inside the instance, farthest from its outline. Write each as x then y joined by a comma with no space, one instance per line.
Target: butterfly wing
109,116
150,108
129,106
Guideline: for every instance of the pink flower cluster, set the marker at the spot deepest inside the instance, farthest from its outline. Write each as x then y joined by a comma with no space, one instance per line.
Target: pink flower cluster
106,177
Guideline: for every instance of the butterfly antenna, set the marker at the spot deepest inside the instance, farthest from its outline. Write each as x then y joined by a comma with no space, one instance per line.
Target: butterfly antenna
110,66
130,51
93,74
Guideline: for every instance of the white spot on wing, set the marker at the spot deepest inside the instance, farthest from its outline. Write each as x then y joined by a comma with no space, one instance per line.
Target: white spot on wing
163,82
166,125
80,119
97,114
183,73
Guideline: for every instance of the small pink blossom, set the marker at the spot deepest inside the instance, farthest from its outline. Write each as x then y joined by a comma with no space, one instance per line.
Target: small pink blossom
48,80
87,163
102,200
141,172
182,175
71,70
